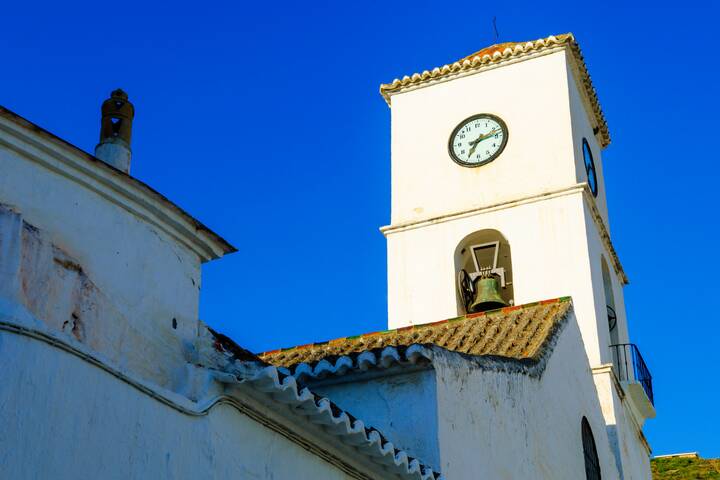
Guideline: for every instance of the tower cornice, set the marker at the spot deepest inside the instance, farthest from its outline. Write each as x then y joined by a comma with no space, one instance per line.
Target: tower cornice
501,55
579,188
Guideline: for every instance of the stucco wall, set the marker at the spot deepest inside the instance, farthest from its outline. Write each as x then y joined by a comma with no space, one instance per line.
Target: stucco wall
64,418
530,96
403,405
145,277
513,426
550,259
626,439
494,419
582,127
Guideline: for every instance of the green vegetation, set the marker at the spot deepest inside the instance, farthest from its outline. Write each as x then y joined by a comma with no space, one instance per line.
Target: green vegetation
685,468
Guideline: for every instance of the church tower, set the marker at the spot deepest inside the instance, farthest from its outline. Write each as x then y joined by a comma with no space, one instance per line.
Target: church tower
497,172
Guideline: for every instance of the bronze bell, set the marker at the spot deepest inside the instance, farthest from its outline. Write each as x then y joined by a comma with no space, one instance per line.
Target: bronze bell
487,296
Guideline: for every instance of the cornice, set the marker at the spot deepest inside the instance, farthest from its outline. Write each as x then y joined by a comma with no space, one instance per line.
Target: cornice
446,217
604,234
506,54
571,190
37,145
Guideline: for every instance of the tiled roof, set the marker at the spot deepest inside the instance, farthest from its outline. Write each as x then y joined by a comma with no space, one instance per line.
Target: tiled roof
235,365
520,333
503,53
368,441
229,363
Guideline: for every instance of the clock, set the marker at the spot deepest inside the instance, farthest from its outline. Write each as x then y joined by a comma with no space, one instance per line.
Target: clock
590,168
478,140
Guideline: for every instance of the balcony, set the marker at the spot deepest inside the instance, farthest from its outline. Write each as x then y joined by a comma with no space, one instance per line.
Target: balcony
634,376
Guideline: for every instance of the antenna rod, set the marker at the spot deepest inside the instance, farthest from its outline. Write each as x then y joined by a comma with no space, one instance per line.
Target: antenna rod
497,35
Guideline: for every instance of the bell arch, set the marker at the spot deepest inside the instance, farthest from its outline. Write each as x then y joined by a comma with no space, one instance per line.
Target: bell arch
484,253
610,302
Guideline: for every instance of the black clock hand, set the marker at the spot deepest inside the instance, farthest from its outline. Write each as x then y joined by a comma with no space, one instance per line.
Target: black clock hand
475,142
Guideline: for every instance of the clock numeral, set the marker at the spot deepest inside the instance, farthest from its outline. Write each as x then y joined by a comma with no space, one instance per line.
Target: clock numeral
462,151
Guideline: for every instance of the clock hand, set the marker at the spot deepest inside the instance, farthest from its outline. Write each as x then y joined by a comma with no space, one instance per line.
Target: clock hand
477,141
483,137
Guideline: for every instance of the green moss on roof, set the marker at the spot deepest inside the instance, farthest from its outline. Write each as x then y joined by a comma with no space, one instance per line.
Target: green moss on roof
685,468
521,332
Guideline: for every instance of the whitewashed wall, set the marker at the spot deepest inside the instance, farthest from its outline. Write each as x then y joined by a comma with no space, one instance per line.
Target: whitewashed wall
530,96
513,426
64,418
117,274
626,438
403,404
491,424
550,259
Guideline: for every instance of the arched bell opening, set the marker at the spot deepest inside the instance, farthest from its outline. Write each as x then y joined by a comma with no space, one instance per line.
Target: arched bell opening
612,317
483,268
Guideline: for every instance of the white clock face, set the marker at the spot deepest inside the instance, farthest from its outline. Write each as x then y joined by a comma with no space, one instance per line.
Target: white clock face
478,140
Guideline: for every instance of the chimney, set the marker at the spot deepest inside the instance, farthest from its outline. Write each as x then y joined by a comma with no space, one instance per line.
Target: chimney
115,131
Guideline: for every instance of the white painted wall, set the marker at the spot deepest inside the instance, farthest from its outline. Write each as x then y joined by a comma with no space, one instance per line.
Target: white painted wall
547,118
141,276
492,422
404,405
625,434
549,255
532,98
582,127
518,427
64,418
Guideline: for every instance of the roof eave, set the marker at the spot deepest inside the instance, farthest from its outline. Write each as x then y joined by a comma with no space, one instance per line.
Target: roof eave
30,140
517,53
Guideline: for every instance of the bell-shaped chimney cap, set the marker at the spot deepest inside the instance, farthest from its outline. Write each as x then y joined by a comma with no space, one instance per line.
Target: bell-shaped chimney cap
116,131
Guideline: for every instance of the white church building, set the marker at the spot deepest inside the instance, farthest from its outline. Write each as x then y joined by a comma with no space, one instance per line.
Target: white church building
507,354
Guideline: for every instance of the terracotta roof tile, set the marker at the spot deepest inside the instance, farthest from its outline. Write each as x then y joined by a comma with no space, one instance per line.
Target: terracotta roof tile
520,333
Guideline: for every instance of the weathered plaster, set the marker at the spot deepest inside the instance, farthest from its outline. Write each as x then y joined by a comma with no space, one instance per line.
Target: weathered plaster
403,404
94,426
495,418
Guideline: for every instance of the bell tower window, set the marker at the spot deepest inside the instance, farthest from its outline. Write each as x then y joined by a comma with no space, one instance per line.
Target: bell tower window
609,303
483,268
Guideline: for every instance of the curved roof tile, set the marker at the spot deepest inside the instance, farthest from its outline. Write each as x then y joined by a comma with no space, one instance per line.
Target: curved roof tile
501,53
520,333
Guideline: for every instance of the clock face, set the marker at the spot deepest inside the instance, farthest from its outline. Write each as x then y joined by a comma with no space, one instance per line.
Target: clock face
478,140
590,168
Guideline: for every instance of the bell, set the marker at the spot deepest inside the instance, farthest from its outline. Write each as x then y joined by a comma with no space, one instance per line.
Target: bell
487,296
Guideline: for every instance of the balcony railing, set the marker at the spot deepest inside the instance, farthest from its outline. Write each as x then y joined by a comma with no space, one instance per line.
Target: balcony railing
630,367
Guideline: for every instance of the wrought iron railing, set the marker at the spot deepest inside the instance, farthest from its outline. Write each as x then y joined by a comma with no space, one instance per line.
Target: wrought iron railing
630,367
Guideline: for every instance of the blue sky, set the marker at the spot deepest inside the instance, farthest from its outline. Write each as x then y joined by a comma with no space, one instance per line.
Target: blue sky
264,121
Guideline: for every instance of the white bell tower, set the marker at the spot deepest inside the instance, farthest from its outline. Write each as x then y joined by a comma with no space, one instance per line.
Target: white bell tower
535,214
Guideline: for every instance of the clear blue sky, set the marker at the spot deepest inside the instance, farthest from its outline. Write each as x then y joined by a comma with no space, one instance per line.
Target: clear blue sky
263,120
